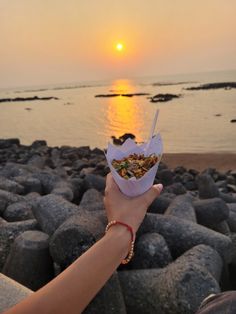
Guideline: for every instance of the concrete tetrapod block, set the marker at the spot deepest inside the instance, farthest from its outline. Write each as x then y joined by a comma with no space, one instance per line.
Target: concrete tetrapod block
176,289
51,211
76,235
11,292
8,233
29,261
182,207
92,200
211,211
232,221
18,211
228,198
7,198
109,300
30,184
160,204
205,256
222,227
64,189
47,179
151,251
206,186
181,235
95,181
10,186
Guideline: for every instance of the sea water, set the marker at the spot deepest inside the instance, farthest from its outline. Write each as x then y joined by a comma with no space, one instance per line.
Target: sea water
198,121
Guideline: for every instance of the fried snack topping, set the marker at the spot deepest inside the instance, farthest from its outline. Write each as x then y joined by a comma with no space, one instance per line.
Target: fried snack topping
134,165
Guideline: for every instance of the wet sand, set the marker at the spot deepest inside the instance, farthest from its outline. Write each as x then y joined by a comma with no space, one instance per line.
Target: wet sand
201,161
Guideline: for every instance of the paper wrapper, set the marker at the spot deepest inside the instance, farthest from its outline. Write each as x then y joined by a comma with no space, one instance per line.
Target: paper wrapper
134,187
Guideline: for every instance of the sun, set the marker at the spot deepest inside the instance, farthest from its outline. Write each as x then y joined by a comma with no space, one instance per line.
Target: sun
119,47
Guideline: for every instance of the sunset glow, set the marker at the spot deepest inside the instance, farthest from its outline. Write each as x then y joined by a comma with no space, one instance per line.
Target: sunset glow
71,44
119,46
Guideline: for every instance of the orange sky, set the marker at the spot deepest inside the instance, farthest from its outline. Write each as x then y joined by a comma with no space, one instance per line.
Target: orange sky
60,41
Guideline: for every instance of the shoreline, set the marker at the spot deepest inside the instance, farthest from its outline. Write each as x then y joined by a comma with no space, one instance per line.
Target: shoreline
222,161
201,161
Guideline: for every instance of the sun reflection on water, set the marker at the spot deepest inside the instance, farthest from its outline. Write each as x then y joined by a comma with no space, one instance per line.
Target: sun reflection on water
123,113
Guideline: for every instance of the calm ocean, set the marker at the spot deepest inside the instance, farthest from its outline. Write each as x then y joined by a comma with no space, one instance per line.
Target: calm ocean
199,121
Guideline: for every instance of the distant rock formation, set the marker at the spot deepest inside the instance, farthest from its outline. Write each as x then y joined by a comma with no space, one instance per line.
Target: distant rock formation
122,139
163,97
26,99
171,83
124,95
225,85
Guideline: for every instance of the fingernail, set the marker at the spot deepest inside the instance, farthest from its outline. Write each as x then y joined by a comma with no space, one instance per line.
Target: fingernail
160,187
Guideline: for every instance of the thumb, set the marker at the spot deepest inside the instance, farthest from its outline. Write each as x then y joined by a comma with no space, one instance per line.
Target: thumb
152,193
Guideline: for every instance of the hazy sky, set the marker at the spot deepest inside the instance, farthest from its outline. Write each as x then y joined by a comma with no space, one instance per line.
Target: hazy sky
58,41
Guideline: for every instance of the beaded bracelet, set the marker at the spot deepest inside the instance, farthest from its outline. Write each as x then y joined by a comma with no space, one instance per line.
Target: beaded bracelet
131,252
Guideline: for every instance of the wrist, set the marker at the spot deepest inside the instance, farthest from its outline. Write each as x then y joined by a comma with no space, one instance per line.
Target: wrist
122,232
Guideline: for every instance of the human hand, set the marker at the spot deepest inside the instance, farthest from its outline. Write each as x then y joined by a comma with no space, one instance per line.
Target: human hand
123,208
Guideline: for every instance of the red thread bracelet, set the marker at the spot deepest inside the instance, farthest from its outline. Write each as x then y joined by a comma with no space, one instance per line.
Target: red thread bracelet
131,252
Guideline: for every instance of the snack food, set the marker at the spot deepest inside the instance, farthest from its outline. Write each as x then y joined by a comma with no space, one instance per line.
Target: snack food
135,165
147,156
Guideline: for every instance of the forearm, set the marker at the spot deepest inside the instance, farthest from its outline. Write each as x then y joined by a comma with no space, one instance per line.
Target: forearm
73,289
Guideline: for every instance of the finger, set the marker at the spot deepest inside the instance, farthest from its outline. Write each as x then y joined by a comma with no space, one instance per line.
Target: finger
110,183
152,193
108,178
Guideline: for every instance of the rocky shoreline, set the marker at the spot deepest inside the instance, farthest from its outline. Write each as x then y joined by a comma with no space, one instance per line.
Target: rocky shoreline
51,211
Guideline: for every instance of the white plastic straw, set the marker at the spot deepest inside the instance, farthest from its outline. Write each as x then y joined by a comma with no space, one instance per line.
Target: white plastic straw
152,129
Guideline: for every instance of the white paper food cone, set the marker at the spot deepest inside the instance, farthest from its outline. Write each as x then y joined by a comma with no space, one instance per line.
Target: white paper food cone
134,187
